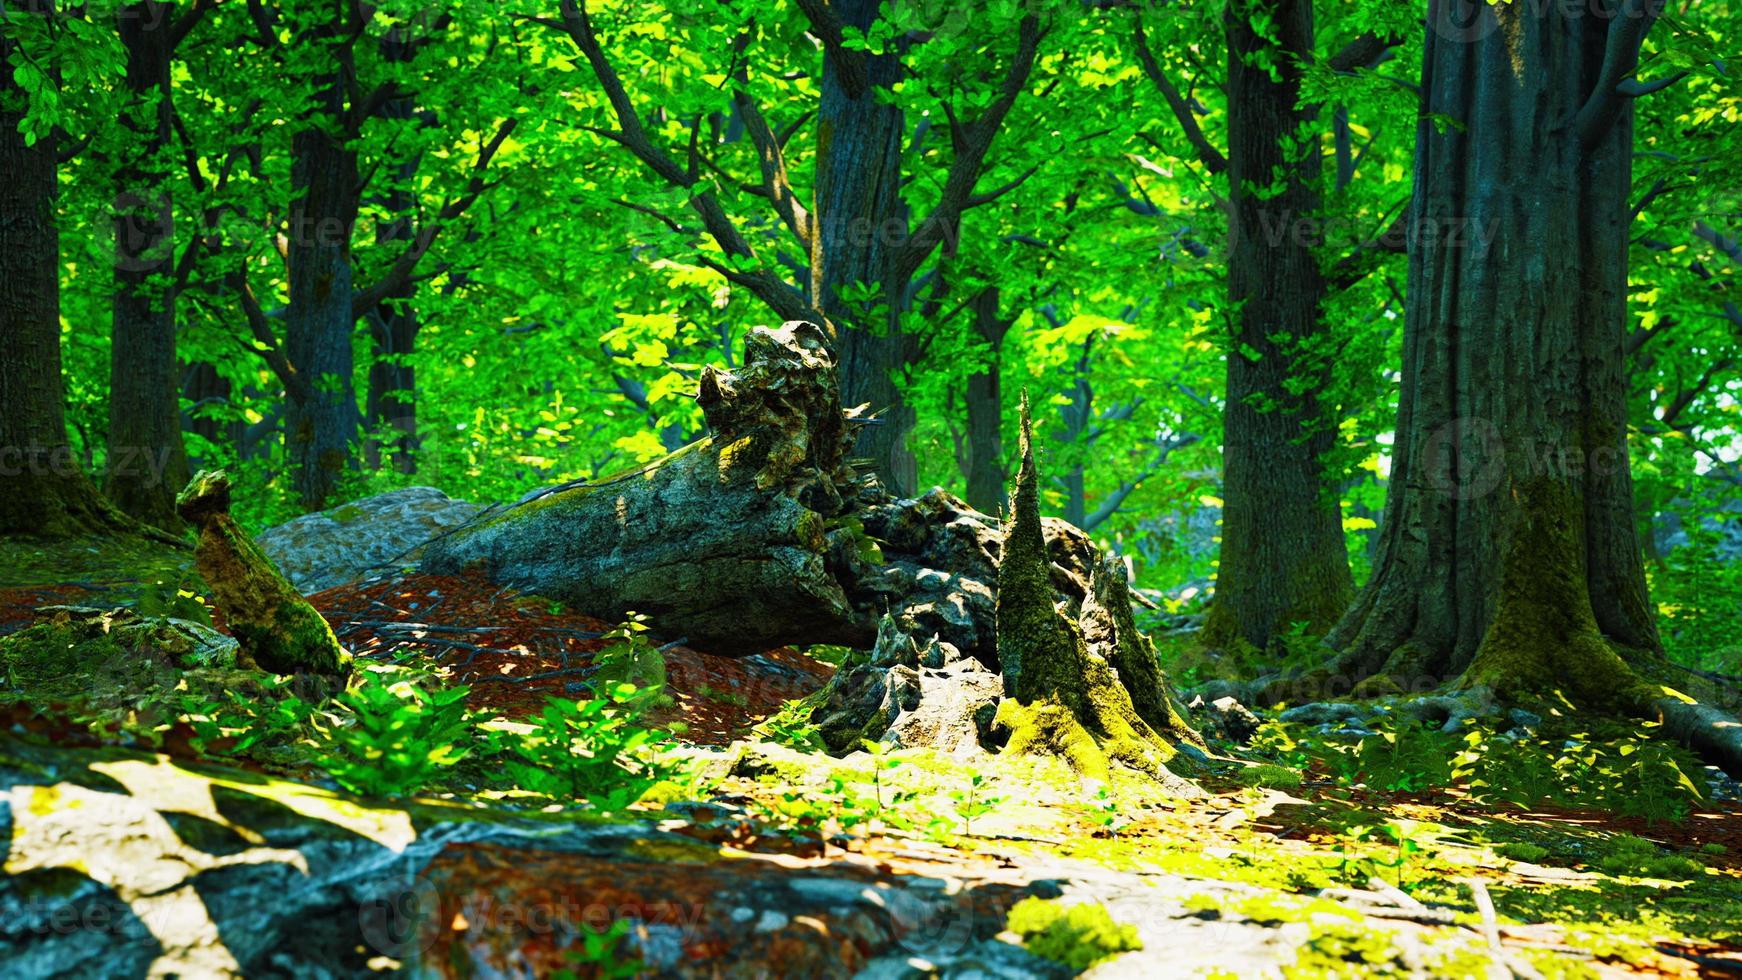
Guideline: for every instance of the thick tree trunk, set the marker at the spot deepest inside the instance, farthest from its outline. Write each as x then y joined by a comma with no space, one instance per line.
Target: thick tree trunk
147,464
1508,550
862,220
322,421
985,404
390,408
1283,557
43,490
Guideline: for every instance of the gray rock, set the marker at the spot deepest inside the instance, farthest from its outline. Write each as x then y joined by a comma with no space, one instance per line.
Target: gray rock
947,710
1323,713
344,544
1232,720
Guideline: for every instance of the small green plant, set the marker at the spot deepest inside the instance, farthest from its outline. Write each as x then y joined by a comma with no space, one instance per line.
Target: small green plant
235,722
629,657
971,803
175,600
791,727
1079,936
390,737
836,808
600,956
1107,813
593,749
1405,756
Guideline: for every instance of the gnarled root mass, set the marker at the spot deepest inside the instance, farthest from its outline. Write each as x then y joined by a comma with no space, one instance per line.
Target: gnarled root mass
1543,640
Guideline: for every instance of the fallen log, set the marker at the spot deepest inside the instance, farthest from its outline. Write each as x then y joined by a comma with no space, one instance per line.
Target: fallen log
763,534
725,541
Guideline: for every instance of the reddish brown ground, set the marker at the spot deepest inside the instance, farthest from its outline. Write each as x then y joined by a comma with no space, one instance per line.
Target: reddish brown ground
515,651
18,606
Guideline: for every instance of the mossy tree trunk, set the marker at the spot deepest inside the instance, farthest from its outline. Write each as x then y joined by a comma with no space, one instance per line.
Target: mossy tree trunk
43,490
1508,550
1283,558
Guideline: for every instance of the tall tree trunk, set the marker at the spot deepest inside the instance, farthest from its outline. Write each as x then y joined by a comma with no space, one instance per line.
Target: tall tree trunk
43,491
862,221
1508,549
391,403
1283,558
322,421
147,464
985,470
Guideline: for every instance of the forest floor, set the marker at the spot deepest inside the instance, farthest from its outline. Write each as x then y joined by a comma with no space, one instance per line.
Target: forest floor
1294,873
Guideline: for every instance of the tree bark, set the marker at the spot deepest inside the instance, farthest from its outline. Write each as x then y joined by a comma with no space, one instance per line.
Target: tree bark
147,463
1507,552
1283,557
322,421
43,490
390,408
985,404
862,220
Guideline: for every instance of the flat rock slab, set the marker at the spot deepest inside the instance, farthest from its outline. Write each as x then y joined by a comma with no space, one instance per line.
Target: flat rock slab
333,547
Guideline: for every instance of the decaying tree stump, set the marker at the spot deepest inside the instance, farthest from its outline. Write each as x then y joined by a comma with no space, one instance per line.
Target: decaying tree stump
273,625
762,534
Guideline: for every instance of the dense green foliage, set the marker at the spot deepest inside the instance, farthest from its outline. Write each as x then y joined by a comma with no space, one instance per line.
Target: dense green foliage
566,300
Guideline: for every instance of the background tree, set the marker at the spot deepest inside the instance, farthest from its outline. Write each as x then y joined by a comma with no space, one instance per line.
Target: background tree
1509,548
146,463
43,489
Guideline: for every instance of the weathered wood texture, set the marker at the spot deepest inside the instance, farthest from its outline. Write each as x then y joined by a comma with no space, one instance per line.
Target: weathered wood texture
725,541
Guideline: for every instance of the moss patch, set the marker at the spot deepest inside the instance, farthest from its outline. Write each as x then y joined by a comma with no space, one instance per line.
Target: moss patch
1079,936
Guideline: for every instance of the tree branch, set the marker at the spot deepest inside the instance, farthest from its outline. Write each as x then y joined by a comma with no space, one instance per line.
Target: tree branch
773,291
1115,500
265,344
1363,52
400,274
1620,58
971,155
1212,159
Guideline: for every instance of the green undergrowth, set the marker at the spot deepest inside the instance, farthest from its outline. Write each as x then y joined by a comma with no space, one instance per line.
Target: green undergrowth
1572,761
391,731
